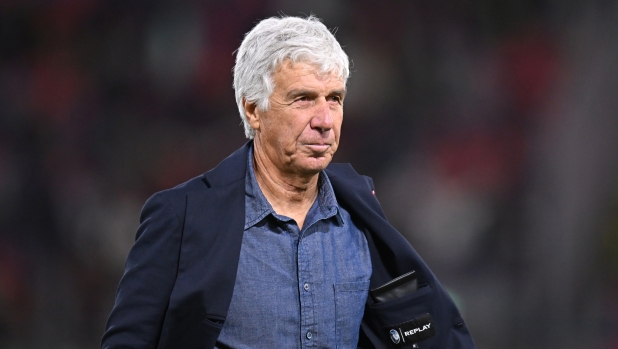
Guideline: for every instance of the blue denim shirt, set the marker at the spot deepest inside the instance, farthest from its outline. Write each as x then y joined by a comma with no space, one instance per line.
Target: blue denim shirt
297,288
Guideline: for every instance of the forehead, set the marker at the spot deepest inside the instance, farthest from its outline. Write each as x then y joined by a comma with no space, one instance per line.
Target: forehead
289,75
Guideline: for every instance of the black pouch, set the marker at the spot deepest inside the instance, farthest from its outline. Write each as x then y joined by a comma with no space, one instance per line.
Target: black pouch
396,288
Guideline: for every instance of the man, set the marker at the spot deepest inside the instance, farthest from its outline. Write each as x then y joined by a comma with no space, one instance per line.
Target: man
274,248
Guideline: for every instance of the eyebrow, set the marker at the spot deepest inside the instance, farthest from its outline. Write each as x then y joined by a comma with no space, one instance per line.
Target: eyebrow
301,92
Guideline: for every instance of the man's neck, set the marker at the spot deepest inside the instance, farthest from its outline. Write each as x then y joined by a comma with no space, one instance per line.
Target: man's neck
289,195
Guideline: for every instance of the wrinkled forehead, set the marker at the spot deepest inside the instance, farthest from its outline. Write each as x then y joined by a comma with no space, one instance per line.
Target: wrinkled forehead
307,66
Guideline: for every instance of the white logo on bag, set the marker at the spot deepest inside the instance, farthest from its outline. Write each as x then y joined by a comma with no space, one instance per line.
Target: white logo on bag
416,330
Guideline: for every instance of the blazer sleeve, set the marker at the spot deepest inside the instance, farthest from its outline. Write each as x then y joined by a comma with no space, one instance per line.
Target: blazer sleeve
143,294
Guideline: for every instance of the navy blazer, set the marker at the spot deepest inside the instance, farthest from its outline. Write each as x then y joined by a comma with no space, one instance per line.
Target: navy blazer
180,273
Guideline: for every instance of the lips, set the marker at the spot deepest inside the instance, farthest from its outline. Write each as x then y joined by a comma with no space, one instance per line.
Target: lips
318,147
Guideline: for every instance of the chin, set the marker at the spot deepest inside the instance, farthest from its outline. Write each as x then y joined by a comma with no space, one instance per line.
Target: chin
314,166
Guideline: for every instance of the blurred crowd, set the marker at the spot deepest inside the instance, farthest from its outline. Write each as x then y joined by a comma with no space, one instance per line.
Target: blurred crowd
490,129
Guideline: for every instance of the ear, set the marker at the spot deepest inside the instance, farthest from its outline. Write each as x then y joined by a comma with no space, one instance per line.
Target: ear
252,112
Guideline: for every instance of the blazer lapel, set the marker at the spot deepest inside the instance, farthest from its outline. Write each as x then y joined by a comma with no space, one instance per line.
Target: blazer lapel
214,226
391,254
211,241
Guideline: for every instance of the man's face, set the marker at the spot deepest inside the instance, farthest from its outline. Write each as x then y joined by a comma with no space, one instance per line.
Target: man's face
299,133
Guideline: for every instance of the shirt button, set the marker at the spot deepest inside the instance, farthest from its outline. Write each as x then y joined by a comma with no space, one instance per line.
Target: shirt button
306,287
309,335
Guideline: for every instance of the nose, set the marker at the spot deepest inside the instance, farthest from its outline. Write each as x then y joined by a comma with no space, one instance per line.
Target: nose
322,120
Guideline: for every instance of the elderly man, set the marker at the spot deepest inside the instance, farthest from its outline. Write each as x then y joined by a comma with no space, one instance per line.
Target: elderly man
275,248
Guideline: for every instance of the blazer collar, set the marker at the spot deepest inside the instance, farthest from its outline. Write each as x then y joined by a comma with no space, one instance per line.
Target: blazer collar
354,192
229,170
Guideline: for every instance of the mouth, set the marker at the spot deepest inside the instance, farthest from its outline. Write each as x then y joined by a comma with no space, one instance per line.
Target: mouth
318,147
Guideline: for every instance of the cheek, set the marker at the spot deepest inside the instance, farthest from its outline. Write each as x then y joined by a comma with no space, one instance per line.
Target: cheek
282,129
289,134
301,125
338,121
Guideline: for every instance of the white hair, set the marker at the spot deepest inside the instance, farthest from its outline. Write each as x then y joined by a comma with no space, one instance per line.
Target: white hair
273,41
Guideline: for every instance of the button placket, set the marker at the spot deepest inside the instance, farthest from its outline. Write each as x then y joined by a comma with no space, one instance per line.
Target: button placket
306,298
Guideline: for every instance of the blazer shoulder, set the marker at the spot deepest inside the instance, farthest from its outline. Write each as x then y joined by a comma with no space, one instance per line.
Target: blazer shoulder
230,170
176,197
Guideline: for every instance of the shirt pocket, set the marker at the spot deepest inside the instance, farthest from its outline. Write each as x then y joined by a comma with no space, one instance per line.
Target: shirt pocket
350,298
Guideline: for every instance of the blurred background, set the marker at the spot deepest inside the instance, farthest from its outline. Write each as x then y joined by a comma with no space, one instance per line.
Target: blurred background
489,127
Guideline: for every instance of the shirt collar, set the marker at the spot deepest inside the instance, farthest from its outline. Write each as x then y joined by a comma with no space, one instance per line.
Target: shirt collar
257,206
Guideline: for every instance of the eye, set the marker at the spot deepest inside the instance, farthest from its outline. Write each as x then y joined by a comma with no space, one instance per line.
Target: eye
336,99
302,99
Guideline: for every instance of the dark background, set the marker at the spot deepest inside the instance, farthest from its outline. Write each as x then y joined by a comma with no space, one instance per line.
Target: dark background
489,127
